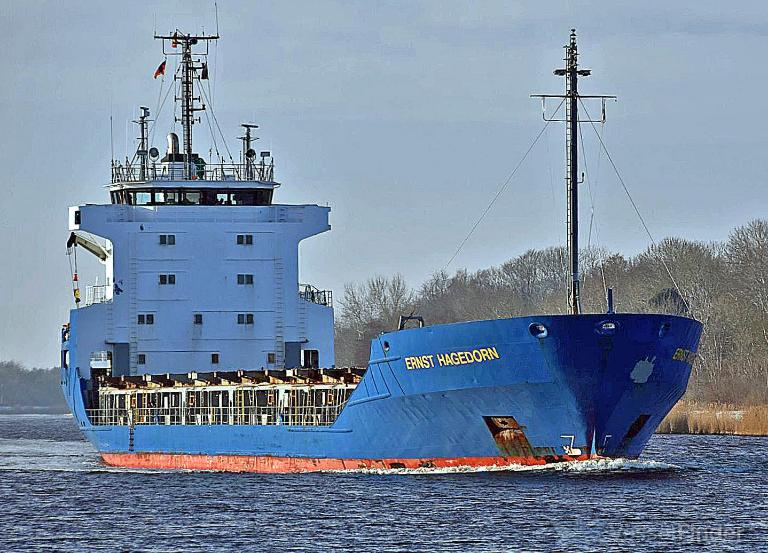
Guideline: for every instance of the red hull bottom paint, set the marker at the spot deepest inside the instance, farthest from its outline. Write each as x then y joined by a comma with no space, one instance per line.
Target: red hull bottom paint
265,463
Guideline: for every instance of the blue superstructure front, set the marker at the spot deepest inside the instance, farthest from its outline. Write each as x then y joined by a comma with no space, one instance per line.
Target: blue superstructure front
579,389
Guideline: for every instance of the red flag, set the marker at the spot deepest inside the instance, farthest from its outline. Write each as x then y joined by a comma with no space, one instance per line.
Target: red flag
160,70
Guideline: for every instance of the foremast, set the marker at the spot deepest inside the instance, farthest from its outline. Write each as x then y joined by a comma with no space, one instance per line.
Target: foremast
572,98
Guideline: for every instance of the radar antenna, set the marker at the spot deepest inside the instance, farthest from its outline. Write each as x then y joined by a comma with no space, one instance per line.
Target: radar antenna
571,72
181,45
142,151
248,154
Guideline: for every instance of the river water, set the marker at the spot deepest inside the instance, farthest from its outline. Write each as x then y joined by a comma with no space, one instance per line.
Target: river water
687,493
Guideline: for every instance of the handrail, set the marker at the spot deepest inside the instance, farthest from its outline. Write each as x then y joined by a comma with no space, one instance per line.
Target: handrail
96,293
174,171
310,293
271,415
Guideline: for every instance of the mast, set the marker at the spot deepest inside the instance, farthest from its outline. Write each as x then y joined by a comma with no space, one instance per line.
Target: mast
571,98
572,165
247,155
189,66
142,151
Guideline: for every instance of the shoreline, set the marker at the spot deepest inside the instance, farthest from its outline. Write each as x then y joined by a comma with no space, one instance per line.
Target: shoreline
33,410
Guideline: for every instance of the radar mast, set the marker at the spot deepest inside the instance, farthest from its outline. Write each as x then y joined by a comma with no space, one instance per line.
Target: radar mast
181,45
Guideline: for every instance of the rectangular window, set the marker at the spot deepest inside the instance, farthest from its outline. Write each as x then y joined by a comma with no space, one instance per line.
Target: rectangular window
191,198
245,279
271,358
143,198
168,279
167,239
245,318
310,359
150,319
245,239
198,318
141,320
214,358
141,359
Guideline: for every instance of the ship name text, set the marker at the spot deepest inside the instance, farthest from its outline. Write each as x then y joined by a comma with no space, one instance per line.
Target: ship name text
452,358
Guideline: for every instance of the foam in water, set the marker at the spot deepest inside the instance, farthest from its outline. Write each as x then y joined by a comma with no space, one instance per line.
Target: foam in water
592,465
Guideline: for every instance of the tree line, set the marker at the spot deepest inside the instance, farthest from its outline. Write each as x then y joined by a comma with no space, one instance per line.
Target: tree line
22,389
722,284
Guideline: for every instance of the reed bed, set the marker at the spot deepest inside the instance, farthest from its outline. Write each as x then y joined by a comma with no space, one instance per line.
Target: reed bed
716,418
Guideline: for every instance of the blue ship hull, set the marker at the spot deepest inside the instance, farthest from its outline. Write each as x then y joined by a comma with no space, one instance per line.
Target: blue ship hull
474,393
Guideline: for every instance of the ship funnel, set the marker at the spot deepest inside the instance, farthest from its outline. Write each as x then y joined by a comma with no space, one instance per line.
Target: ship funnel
173,143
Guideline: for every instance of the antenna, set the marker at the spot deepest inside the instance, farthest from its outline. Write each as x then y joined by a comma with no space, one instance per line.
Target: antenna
248,154
571,72
182,45
111,138
141,152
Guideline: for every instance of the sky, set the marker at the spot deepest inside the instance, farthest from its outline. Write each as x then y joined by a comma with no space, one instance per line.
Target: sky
405,118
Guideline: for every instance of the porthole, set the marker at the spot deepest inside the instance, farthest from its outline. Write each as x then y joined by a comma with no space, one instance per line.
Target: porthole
538,330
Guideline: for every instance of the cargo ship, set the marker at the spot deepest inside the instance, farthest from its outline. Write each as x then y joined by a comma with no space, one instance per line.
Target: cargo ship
200,349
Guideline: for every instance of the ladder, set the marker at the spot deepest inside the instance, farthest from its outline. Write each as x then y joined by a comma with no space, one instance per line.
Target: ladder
133,340
279,313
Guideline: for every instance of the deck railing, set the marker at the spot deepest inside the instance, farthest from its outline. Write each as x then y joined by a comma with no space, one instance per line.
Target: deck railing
96,293
205,416
127,172
309,293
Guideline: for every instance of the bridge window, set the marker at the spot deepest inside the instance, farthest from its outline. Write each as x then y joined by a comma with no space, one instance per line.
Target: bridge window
245,239
192,197
168,279
146,318
172,197
198,318
167,239
245,279
142,198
